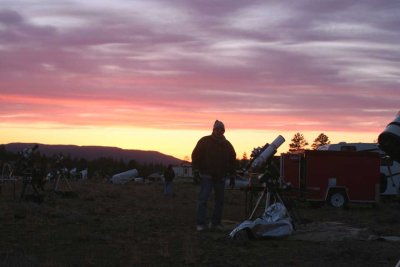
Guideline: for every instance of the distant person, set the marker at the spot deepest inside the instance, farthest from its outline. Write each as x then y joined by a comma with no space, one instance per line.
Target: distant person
169,176
213,160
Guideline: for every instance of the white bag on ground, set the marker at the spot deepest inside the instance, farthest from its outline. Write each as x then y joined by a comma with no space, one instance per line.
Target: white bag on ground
275,222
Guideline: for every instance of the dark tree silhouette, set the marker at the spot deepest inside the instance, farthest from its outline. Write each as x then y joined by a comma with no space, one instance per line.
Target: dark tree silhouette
298,142
244,160
321,140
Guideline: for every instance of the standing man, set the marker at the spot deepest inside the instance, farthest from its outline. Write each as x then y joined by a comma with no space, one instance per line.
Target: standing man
169,176
213,159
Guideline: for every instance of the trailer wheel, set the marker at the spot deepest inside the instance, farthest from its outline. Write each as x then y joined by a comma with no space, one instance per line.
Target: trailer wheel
337,199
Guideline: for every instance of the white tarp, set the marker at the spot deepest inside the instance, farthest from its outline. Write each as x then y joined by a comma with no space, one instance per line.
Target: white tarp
275,222
124,177
84,174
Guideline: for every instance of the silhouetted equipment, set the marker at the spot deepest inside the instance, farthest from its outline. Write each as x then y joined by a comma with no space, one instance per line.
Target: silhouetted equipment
30,173
389,139
269,187
7,176
262,156
61,184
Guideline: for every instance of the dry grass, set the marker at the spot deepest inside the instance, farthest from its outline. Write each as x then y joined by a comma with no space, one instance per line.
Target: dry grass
135,225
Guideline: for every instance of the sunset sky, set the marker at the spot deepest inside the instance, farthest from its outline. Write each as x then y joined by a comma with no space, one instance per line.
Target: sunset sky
154,75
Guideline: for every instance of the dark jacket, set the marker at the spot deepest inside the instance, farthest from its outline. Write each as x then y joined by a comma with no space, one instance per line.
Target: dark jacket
214,156
169,174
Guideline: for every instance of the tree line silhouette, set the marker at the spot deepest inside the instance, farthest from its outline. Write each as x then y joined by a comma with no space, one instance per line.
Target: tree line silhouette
299,142
105,167
101,168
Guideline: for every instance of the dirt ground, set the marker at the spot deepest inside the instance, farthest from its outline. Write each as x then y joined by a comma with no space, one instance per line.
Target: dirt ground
135,225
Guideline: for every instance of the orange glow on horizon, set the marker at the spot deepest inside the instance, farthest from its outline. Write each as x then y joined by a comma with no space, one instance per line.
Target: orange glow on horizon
178,143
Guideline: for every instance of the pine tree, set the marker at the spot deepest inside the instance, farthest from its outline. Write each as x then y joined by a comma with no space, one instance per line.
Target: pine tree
298,142
244,160
321,140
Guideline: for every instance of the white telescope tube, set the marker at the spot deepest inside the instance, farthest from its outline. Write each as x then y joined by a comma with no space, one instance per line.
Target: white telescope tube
269,151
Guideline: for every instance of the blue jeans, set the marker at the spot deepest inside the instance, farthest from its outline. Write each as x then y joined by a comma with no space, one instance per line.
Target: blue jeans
206,186
168,189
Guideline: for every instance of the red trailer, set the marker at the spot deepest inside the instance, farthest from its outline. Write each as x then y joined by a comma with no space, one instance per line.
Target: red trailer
336,177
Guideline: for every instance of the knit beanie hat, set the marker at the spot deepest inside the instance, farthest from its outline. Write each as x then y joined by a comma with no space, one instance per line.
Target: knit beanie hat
219,125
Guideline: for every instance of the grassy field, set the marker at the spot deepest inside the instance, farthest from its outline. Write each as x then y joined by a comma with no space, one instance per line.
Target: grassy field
135,225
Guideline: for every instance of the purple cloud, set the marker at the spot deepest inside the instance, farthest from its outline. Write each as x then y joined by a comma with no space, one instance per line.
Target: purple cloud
325,62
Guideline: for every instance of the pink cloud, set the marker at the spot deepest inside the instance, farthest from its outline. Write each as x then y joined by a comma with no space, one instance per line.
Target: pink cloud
312,67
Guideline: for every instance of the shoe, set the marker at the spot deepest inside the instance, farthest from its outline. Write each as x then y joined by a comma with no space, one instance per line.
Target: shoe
200,228
218,227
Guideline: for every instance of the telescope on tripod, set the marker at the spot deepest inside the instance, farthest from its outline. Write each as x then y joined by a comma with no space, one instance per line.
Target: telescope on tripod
275,221
61,177
31,174
270,176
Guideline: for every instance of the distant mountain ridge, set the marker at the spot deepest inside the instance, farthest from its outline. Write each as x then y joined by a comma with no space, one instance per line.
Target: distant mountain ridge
94,152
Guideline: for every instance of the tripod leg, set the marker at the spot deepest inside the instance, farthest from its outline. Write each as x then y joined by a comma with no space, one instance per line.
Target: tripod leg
35,190
246,205
262,195
24,184
67,184
55,188
296,216
249,199
267,200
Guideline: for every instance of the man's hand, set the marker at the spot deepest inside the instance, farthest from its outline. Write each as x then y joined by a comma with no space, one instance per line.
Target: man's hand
232,181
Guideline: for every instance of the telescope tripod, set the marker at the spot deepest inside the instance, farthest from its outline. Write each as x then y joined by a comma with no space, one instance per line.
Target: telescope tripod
61,178
28,181
272,194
